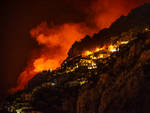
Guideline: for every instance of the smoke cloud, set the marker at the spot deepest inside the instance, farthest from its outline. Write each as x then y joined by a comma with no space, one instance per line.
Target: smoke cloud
56,40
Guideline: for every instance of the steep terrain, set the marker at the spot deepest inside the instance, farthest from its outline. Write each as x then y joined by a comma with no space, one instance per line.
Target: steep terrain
108,73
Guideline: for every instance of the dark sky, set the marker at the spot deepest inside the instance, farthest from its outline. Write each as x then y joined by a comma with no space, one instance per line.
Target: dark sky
17,19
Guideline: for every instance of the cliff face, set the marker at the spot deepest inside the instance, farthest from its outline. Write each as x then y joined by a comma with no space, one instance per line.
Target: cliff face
118,82
124,86
135,19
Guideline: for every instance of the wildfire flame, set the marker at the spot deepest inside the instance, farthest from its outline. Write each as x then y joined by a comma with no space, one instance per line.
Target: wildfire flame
101,56
111,48
40,64
87,53
57,40
99,49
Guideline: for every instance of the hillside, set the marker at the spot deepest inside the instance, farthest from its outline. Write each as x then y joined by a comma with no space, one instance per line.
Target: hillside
108,73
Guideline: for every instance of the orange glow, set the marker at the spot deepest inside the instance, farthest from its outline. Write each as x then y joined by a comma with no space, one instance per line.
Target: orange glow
41,64
147,29
124,42
112,48
99,49
101,56
87,53
23,79
55,41
107,48
107,11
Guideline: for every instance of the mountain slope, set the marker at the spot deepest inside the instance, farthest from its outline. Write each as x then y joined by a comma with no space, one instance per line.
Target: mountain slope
108,73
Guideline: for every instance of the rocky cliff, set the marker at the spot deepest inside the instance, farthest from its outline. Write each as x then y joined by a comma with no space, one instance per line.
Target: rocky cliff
114,79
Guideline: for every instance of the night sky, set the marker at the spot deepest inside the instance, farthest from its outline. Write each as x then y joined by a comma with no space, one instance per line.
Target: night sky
17,19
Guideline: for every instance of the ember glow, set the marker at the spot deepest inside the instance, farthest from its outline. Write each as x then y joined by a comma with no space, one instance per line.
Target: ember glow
99,49
87,53
104,51
112,48
55,41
